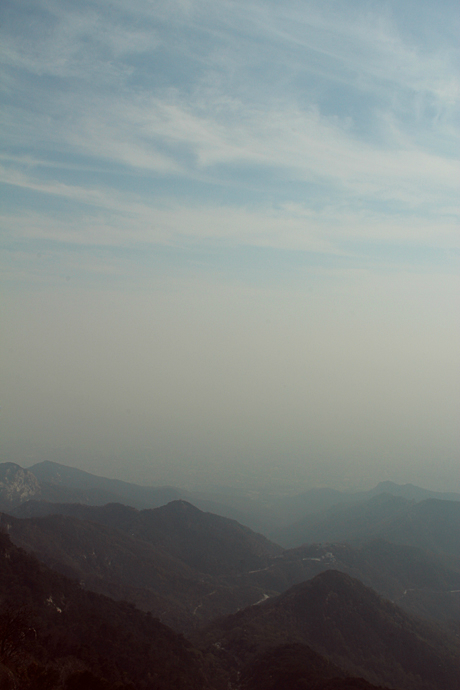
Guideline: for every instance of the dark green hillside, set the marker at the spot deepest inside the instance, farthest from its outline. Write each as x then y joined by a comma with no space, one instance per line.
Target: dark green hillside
52,629
338,617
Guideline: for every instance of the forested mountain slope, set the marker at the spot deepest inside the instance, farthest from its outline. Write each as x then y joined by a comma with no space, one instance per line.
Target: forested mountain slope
54,634
340,618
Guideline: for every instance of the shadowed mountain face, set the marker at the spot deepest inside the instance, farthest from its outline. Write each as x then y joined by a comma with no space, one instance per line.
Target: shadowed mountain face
297,667
144,556
416,580
183,565
190,567
209,543
54,635
339,617
113,563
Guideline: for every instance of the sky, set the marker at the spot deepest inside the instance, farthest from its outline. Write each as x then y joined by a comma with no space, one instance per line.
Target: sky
230,240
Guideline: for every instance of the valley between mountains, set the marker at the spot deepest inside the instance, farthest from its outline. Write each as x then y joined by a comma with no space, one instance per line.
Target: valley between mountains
107,585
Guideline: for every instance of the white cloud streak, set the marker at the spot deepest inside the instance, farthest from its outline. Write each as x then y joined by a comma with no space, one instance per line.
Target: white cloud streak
375,184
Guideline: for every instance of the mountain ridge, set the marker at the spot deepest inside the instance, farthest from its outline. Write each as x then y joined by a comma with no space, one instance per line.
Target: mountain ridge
350,624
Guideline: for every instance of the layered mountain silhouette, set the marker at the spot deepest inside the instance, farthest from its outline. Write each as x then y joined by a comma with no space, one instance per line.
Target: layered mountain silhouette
59,483
52,482
210,543
56,635
176,561
291,509
307,616
431,524
188,566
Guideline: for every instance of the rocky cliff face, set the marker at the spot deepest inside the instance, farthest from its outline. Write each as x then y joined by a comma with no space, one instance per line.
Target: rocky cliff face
17,485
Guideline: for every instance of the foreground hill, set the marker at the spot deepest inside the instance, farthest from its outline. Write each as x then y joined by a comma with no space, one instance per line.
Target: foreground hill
55,635
341,619
297,667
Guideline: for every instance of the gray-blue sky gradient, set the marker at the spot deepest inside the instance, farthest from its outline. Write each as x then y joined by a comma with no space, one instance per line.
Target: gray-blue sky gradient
230,239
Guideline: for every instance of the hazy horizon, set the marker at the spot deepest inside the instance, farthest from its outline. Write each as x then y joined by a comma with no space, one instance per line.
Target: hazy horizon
230,241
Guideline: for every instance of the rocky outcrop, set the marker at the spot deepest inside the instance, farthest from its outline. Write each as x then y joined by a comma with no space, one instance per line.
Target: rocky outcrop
17,485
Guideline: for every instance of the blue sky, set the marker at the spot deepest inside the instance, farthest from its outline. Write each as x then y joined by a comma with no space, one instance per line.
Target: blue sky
241,162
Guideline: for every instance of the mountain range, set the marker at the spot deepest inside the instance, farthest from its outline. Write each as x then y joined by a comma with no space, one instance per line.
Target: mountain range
57,483
431,524
370,597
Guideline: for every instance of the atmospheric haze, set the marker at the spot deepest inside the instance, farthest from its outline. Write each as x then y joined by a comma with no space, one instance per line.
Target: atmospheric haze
230,241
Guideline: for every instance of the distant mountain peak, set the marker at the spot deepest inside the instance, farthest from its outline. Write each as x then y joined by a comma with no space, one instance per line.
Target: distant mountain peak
389,485
181,505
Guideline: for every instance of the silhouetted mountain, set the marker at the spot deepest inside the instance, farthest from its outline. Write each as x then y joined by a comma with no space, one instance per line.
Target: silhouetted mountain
344,522
113,563
60,483
432,524
267,514
58,475
409,491
209,543
340,618
420,582
55,635
295,508
18,486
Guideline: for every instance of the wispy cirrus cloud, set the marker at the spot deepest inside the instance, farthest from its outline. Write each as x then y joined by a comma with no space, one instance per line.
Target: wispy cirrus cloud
345,115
